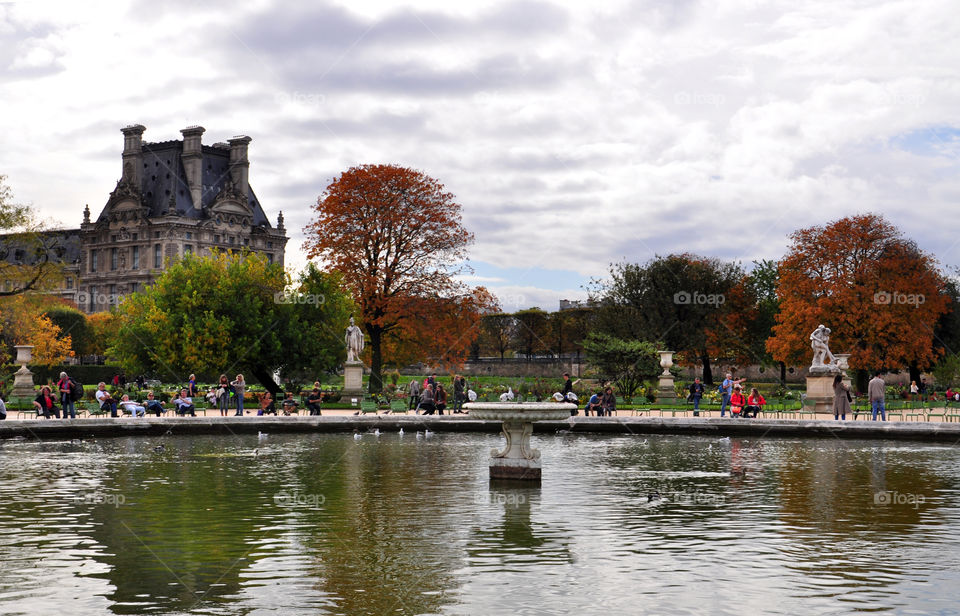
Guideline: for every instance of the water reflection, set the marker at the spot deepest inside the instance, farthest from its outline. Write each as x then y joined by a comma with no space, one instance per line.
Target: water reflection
391,524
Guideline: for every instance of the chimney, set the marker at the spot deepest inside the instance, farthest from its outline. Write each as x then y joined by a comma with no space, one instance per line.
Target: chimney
240,165
192,158
132,154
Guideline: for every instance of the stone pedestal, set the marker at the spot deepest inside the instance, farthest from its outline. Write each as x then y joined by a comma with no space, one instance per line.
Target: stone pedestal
820,389
23,378
517,460
666,392
352,380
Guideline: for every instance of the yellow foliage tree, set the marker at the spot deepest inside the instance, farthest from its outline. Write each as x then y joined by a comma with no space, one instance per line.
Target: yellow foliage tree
23,322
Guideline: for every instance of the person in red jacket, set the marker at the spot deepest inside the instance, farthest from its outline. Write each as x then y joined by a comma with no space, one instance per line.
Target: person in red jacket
737,401
755,403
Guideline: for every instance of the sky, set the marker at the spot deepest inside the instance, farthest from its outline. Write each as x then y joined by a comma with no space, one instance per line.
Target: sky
573,134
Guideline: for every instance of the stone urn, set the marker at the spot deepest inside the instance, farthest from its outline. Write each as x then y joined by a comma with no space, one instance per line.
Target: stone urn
666,393
517,460
23,378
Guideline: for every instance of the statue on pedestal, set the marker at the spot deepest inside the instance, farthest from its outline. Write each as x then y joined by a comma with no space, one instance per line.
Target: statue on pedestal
355,342
819,341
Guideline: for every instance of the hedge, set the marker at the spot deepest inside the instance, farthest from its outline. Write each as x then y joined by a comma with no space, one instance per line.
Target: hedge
88,375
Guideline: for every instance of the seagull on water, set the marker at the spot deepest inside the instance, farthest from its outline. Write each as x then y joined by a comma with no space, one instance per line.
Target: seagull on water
401,431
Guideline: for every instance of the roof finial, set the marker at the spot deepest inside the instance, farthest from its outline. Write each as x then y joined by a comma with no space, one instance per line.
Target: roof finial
86,214
280,221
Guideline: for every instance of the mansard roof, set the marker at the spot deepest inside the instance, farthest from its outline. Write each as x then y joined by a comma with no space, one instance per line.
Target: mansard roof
163,176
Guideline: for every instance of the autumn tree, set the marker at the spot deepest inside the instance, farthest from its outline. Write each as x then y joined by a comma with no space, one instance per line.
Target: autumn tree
22,321
73,322
103,327
232,313
676,299
29,257
877,291
397,238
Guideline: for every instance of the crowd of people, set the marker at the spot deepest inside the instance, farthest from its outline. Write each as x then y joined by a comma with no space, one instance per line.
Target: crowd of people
431,397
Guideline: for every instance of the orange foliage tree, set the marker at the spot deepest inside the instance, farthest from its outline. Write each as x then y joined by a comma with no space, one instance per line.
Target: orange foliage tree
877,291
397,238
22,321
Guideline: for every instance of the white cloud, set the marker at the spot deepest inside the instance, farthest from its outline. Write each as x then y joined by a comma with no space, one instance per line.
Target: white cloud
573,134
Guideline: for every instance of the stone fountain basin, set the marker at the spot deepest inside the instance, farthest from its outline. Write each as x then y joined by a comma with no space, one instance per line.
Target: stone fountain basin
521,412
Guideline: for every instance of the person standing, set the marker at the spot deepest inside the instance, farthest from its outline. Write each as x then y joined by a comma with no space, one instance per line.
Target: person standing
192,386
726,390
66,396
841,398
876,390
696,394
413,390
567,385
459,388
239,388
223,395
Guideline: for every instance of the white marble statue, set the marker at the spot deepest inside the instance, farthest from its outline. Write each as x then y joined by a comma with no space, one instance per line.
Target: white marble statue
354,340
820,341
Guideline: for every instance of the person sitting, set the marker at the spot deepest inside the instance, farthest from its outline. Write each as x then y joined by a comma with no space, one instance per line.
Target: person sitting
266,404
132,407
153,405
315,400
737,401
289,405
427,401
211,397
107,402
608,403
440,400
184,404
594,404
755,403
45,404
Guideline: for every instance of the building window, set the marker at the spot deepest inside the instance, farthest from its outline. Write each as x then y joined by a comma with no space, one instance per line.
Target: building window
113,238
93,260
112,299
69,283
189,235
134,287
232,239
135,236
136,257
113,258
156,235
269,244
216,239
93,298
157,256
269,257
187,249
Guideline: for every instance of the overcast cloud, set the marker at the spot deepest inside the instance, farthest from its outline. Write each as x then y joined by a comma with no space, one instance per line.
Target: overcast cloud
574,134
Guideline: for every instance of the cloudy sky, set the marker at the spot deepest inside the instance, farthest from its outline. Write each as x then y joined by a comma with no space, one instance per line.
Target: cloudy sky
574,134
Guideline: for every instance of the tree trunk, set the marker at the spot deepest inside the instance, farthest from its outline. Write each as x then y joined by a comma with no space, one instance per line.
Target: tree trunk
862,378
707,372
266,379
783,374
914,373
376,360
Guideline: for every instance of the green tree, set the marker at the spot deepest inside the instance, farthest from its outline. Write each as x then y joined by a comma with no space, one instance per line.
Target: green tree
532,332
677,299
232,313
628,363
73,322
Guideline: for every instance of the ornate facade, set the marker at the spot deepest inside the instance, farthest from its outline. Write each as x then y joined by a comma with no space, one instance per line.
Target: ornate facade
173,198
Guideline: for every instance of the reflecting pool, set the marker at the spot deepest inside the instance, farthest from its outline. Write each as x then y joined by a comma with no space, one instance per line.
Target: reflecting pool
391,524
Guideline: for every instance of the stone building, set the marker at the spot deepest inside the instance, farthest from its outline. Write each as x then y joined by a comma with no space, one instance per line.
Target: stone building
173,198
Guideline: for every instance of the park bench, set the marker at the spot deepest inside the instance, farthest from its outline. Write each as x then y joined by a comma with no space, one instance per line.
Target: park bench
368,406
398,406
23,407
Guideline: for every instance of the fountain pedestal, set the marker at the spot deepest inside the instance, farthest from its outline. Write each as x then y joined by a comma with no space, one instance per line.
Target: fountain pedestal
517,460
